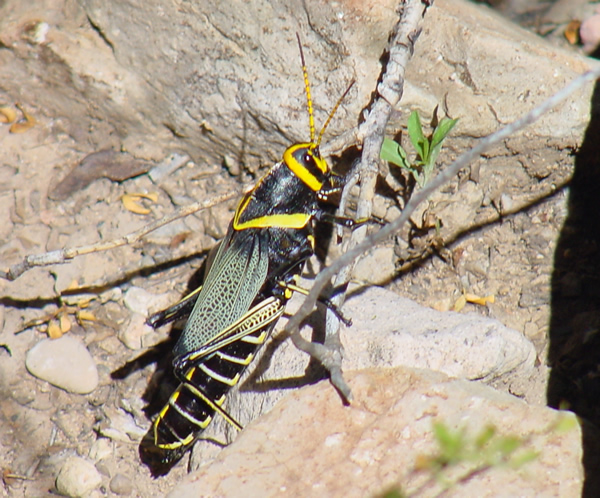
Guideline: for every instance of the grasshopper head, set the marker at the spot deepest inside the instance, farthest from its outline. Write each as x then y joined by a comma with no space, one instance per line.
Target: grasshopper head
305,161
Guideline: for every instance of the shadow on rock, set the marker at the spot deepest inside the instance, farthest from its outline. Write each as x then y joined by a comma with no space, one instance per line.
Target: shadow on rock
574,351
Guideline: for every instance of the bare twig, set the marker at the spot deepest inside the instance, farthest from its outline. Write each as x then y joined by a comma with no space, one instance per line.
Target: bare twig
62,256
292,327
371,131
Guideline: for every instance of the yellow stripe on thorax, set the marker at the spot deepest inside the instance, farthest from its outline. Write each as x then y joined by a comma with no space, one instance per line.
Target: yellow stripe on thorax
291,220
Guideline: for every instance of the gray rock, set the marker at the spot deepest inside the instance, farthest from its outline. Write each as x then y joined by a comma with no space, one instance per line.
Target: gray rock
64,363
459,219
77,477
534,295
121,485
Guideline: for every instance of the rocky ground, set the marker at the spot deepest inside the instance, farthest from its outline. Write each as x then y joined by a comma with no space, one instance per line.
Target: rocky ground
518,226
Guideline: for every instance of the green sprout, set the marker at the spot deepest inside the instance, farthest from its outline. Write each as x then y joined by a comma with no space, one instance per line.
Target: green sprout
480,453
427,148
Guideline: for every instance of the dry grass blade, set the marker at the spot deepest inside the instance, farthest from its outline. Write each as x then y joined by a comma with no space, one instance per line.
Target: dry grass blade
61,256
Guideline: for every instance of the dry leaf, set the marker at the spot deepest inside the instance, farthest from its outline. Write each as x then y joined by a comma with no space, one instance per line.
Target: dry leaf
7,114
8,477
86,315
130,202
65,323
179,239
472,298
54,331
23,126
423,462
73,285
116,166
572,32
460,303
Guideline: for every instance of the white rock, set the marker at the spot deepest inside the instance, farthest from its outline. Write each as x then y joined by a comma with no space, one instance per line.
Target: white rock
121,426
462,218
77,477
389,330
377,266
101,448
140,300
590,33
64,363
131,334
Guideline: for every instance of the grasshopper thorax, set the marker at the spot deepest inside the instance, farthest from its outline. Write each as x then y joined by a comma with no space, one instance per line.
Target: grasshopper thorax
305,161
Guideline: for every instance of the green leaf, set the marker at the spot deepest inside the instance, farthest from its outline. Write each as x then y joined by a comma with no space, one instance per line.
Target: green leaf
393,152
418,176
427,149
441,131
566,423
508,445
389,150
523,458
415,132
485,436
451,443
393,493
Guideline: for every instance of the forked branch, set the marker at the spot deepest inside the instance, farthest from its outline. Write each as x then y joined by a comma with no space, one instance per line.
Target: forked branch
371,133
331,358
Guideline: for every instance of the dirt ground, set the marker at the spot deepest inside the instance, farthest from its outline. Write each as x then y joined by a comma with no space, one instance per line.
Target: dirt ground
527,247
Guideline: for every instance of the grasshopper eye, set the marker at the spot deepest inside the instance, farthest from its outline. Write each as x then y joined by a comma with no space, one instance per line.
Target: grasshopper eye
308,160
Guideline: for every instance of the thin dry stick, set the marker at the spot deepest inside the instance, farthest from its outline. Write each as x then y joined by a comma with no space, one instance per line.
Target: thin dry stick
293,326
61,256
400,50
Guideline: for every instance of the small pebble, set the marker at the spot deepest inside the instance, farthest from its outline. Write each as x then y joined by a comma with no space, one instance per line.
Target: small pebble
167,166
131,335
376,267
77,477
64,363
2,317
506,203
589,32
141,301
101,448
121,426
137,300
121,485
103,468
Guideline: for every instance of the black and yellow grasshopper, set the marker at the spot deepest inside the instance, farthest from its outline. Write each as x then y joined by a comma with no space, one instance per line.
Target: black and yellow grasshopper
247,285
